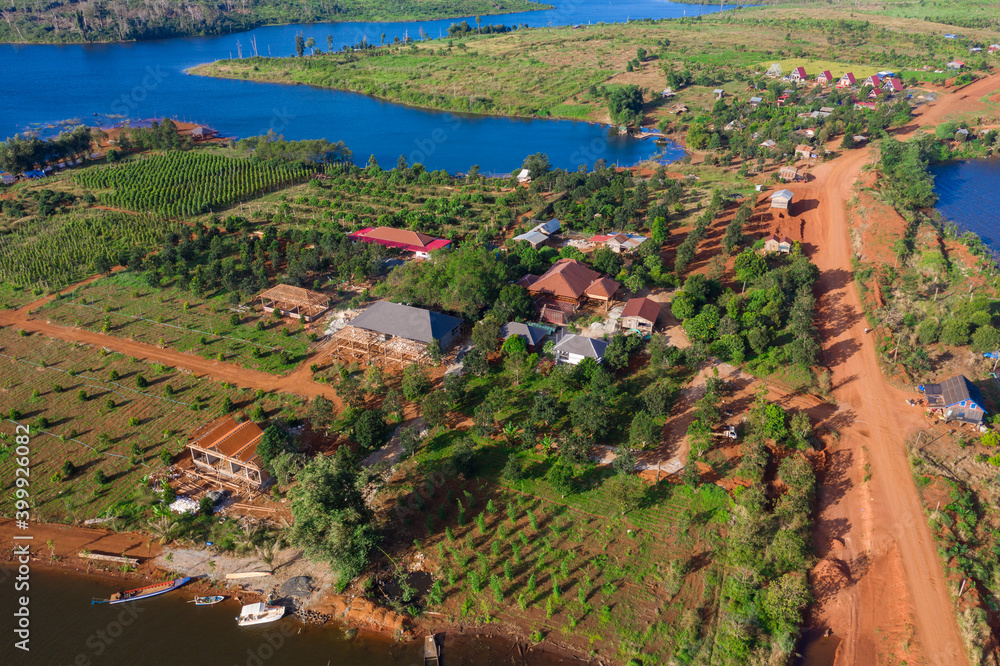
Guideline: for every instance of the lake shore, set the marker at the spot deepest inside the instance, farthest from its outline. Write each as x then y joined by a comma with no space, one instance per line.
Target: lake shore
57,547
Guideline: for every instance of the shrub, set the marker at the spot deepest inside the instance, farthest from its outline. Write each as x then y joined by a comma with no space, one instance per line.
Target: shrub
955,332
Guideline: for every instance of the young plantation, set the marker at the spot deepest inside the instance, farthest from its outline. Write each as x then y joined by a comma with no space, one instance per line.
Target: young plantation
182,184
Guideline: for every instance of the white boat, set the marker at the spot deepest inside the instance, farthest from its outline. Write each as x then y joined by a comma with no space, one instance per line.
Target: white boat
259,613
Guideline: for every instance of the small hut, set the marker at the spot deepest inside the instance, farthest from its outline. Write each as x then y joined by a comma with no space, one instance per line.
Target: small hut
782,199
640,315
294,301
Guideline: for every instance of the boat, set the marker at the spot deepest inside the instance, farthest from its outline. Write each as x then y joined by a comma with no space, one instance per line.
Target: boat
432,653
247,574
259,613
142,592
206,601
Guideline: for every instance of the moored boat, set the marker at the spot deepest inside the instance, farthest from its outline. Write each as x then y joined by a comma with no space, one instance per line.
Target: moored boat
207,601
259,613
432,652
143,592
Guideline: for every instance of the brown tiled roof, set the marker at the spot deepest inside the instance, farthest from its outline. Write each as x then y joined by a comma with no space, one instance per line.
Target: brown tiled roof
643,308
567,278
621,238
604,288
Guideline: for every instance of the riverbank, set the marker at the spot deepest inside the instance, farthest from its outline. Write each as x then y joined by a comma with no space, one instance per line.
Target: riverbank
303,586
162,22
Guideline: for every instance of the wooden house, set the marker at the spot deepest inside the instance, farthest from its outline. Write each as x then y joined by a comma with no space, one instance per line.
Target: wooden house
292,301
570,281
789,174
389,333
798,74
623,243
956,399
875,81
227,451
955,64
780,245
847,80
639,316
782,199
804,151
825,78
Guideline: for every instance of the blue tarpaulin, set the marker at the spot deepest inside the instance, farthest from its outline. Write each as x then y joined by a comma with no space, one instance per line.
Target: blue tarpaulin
995,354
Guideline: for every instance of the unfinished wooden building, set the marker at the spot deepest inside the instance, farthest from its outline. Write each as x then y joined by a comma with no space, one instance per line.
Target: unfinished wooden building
294,301
226,452
391,334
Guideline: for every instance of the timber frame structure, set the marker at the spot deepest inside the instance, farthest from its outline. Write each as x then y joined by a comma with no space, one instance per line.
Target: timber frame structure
294,302
356,344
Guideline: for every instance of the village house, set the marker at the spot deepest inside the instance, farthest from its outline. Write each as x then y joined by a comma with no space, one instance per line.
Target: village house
798,74
719,93
291,301
825,78
781,199
875,81
956,399
770,143
781,245
540,233
572,349
421,245
200,133
533,335
227,451
804,151
619,243
639,316
847,80
756,101
562,288
892,86
789,174
955,64
389,333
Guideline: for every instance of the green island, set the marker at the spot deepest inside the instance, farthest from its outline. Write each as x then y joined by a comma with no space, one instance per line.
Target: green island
663,414
134,20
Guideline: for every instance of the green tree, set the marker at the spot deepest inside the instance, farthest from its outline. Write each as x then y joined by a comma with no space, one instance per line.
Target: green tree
332,522
415,383
273,443
370,431
955,332
434,408
986,338
644,430
625,104
486,334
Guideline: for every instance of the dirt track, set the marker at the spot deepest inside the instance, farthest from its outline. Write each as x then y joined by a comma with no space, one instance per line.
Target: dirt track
298,382
879,584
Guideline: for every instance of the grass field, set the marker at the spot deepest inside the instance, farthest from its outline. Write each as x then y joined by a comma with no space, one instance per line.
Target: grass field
122,305
70,387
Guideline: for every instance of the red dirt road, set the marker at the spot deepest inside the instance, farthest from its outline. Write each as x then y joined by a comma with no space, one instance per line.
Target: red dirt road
879,584
298,382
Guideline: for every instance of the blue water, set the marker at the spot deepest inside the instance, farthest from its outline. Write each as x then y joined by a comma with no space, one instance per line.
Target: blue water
969,195
45,84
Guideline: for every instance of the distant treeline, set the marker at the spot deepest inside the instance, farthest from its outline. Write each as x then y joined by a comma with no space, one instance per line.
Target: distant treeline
273,146
128,20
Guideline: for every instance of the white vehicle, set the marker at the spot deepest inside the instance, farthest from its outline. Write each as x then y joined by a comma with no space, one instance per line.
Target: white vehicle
259,613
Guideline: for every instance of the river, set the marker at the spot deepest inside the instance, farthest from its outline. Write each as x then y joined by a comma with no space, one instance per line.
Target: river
969,195
45,84
167,631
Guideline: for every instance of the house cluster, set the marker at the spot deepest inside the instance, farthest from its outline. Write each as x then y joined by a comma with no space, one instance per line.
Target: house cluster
881,83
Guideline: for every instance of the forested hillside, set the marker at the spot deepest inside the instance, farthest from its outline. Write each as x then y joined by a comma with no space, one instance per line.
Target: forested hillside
126,20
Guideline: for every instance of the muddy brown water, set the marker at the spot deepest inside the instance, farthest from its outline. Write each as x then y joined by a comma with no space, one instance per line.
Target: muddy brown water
65,629
815,649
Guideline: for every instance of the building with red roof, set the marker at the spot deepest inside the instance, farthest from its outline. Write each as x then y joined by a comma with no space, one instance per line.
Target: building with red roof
798,74
640,315
227,451
847,80
825,78
421,245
